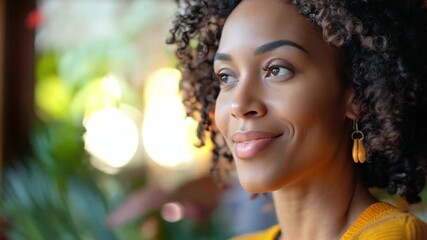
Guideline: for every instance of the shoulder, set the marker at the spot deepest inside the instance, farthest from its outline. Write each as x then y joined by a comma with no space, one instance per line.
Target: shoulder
393,224
402,226
268,234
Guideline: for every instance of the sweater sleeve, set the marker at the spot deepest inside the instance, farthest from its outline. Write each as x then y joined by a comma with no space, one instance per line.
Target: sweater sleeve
402,226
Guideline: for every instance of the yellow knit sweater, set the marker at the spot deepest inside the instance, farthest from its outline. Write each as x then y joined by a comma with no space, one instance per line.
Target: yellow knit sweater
379,221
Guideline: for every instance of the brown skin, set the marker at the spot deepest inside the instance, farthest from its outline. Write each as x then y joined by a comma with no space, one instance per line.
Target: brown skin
286,114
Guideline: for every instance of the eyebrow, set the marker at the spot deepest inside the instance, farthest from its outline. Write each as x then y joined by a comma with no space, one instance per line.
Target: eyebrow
223,56
263,49
276,44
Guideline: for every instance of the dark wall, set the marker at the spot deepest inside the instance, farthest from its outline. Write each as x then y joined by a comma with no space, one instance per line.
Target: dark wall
19,56
2,24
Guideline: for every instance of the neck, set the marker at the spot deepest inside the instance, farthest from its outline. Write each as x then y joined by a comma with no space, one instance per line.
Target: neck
322,207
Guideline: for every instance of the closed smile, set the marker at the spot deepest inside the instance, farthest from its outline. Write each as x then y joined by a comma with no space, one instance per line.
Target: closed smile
250,143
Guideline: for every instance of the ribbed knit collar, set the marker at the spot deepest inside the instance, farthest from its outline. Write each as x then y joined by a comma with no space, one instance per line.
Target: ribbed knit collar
370,214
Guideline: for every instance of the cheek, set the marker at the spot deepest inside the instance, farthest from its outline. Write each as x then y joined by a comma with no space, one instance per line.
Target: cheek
305,107
221,113
297,108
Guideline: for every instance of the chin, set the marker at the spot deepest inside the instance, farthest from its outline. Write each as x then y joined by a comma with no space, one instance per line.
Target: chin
258,186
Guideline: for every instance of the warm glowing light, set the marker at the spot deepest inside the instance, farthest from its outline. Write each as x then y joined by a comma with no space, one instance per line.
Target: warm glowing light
111,137
162,83
166,132
100,93
172,212
103,166
110,86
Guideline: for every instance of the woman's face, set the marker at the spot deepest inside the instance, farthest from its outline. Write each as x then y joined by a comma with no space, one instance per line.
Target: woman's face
283,107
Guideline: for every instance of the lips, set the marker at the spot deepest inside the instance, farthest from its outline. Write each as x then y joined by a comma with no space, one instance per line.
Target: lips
249,144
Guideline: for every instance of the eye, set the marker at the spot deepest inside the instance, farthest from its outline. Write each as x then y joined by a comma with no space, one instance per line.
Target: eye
225,78
275,71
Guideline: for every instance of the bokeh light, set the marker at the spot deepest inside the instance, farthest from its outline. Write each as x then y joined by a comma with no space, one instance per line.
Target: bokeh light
111,136
110,86
168,136
172,212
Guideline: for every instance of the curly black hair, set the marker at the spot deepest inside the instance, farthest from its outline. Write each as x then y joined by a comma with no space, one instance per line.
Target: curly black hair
385,46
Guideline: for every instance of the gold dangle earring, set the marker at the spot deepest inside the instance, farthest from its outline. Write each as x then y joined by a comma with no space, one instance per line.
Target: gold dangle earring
359,152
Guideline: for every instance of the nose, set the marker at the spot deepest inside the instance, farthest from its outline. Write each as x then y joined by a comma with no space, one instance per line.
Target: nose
247,101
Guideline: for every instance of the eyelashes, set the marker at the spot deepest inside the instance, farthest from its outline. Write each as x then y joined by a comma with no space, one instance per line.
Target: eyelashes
225,78
278,68
275,70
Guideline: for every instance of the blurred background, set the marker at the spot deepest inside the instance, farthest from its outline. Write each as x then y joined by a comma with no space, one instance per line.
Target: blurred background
94,139
95,143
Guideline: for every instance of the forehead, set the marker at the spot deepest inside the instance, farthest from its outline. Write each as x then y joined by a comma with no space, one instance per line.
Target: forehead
255,22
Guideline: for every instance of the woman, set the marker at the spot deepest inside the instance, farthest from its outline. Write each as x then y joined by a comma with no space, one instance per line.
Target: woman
317,101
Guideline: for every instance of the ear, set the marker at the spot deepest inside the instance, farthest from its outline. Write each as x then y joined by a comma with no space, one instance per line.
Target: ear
351,108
